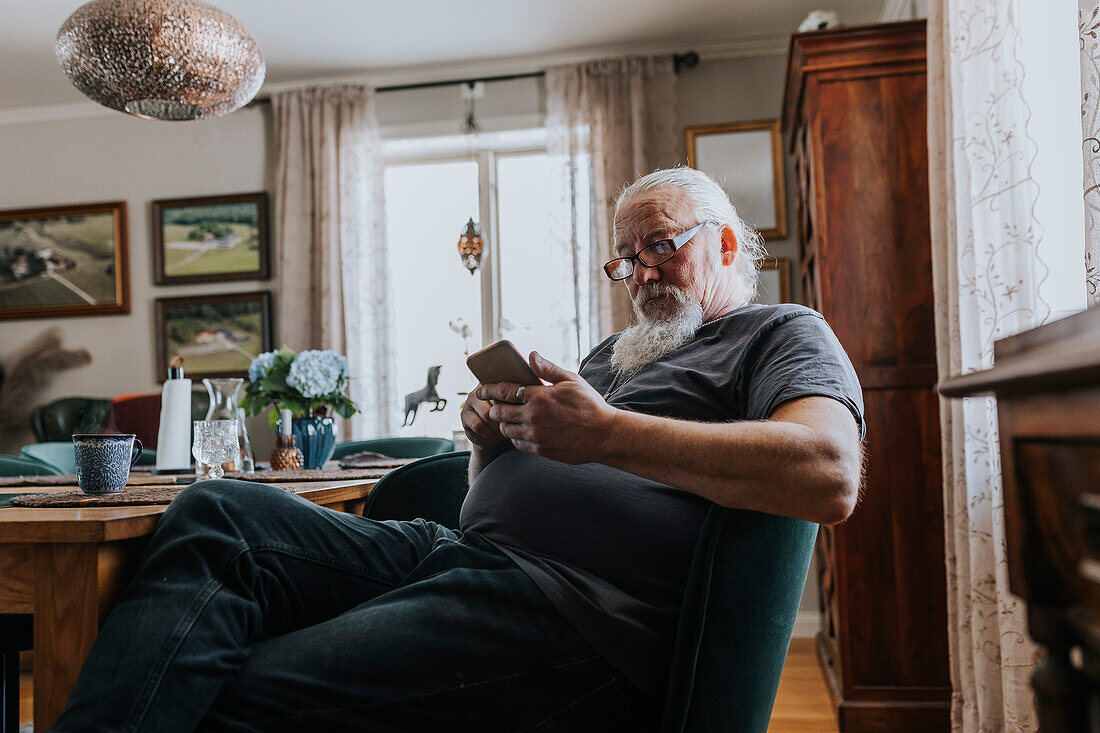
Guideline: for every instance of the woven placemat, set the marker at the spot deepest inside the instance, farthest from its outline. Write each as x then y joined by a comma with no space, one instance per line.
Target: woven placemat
309,474
134,480
130,497
136,496
369,459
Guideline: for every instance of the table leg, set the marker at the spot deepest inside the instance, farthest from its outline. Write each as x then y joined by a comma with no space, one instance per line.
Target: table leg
68,614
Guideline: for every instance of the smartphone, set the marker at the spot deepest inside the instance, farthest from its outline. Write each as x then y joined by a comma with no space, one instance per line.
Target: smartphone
501,362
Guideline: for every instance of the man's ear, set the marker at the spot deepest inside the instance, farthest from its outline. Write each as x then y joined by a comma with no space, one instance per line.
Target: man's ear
729,246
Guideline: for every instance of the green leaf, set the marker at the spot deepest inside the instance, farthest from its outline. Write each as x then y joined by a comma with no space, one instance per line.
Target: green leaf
294,404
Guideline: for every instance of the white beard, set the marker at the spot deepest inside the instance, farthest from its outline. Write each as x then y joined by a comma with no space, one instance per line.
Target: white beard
663,326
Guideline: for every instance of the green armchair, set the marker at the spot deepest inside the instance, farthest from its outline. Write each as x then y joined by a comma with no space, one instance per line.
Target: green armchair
739,608
395,447
23,466
58,420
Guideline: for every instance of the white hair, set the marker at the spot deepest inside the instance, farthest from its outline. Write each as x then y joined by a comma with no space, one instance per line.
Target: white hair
709,202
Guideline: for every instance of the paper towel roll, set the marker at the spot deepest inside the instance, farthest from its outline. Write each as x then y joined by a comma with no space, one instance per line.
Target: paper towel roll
174,435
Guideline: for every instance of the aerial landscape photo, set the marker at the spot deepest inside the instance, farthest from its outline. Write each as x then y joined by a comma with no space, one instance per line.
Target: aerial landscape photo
200,240
214,337
57,261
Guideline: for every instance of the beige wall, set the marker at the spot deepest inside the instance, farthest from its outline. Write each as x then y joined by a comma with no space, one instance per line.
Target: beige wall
739,90
120,158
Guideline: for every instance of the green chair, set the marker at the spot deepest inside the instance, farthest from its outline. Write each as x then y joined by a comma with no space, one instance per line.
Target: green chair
17,466
739,608
736,621
432,488
395,447
61,456
58,420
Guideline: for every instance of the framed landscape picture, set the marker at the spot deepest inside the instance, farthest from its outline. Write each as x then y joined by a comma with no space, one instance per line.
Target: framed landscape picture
217,335
210,239
64,261
746,158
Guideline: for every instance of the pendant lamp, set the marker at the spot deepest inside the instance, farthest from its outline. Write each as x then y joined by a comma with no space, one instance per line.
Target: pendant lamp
160,59
470,246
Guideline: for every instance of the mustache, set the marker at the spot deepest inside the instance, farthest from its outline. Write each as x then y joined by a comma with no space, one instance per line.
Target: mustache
649,291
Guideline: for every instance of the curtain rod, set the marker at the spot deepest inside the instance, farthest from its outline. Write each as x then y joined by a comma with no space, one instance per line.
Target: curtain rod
680,61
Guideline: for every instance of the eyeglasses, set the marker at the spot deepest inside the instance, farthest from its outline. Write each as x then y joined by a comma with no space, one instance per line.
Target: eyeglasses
655,254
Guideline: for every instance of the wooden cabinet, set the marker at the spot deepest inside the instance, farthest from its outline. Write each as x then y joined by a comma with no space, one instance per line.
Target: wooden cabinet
854,116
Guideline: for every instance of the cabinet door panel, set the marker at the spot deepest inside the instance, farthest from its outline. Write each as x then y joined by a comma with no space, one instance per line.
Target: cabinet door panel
875,259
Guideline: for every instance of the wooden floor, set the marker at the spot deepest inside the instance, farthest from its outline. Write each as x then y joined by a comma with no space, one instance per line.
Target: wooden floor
802,703
801,706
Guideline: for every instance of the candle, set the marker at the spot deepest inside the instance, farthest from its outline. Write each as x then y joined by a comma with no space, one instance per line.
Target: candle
284,425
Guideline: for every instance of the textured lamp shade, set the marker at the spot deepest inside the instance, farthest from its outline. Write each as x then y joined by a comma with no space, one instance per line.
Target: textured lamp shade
160,59
470,246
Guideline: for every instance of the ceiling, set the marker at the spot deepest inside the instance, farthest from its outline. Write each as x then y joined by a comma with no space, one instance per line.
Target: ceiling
416,40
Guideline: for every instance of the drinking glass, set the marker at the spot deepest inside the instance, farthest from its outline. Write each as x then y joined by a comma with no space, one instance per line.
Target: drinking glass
215,441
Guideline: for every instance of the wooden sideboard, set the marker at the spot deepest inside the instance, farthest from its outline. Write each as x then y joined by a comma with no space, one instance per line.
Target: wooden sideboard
1047,384
854,116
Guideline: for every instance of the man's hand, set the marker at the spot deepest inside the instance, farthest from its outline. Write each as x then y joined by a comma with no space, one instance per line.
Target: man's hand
481,430
566,420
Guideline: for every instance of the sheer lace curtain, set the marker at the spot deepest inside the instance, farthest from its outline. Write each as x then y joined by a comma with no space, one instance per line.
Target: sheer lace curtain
610,121
330,241
1088,26
986,273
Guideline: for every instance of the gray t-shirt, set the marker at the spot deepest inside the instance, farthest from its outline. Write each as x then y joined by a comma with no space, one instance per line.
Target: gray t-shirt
611,550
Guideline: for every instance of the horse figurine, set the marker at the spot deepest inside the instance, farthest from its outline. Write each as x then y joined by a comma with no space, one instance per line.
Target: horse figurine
413,400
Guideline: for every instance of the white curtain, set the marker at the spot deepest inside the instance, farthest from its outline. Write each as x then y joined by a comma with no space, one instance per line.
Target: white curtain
610,122
330,242
1088,26
986,273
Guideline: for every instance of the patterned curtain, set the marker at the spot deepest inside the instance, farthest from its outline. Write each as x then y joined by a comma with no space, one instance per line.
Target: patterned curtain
986,272
330,242
610,122
1088,24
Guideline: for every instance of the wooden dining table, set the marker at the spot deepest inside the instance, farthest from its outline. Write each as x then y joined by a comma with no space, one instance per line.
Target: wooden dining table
67,566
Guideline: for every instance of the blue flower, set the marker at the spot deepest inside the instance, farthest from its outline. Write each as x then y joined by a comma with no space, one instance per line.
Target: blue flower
257,370
317,373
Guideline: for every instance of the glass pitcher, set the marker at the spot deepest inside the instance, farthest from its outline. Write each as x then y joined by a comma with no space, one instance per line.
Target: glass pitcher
223,406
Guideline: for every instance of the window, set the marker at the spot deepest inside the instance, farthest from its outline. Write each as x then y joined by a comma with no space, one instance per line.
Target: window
526,289
1049,49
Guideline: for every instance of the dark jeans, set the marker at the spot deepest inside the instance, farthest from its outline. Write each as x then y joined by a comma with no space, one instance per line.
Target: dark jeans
257,610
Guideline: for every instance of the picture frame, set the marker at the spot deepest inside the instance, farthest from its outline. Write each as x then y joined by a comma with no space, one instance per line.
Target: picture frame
211,239
69,260
775,281
746,158
217,335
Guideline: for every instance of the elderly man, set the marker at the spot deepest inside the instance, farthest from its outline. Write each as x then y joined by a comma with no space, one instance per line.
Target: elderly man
554,606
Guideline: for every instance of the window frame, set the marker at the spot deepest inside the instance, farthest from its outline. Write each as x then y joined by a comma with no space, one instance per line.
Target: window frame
487,150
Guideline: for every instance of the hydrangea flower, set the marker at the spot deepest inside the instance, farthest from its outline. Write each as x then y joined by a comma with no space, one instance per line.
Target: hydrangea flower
257,370
317,373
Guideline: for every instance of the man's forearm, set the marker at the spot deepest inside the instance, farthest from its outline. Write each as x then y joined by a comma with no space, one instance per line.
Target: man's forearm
771,466
482,457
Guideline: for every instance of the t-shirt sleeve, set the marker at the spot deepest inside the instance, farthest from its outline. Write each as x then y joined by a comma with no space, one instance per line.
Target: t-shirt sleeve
799,356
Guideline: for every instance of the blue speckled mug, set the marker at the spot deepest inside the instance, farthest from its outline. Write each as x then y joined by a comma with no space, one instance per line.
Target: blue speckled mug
103,462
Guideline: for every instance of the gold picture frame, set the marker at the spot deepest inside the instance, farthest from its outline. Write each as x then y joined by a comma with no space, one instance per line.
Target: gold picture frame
746,158
775,281
217,335
68,260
